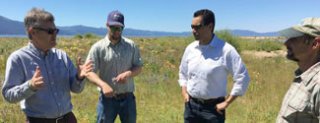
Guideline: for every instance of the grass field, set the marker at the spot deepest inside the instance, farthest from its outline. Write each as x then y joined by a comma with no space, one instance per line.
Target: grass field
157,91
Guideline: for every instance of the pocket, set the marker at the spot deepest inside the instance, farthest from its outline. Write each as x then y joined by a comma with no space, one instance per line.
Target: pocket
300,100
297,106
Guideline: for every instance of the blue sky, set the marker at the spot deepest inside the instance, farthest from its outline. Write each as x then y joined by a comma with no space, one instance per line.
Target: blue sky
171,15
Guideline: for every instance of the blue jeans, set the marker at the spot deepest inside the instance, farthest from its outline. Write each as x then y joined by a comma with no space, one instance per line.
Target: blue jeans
109,107
196,112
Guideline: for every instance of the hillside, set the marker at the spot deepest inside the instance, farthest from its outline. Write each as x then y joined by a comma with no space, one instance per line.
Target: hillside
12,27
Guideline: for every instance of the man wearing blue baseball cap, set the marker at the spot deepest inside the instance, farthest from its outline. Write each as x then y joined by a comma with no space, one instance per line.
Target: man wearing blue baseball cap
301,104
116,61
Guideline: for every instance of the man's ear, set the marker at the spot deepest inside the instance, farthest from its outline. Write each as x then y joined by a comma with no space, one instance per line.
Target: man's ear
316,43
30,30
211,25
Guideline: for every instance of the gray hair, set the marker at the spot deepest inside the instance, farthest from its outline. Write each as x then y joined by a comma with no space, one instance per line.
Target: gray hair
35,17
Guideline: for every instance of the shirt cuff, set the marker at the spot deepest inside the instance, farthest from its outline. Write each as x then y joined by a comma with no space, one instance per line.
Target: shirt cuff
27,89
80,80
182,82
236,92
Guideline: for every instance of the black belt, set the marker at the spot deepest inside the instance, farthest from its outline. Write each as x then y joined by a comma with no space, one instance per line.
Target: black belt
208,101
62,119
122,95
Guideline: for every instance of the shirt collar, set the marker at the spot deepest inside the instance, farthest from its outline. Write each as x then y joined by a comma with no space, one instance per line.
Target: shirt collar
213,42
108,42
309,74
37,51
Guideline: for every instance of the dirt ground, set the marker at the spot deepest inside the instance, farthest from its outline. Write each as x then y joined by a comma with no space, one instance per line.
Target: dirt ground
264,54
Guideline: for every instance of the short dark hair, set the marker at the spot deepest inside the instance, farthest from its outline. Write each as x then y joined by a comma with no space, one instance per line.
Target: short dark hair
207,16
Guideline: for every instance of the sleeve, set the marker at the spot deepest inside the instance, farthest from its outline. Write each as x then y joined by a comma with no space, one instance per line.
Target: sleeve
183,69
137,60
15,87
93,55
239,73
76,85
316,101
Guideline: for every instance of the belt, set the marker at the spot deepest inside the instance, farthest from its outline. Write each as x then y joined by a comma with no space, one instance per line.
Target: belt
122,95
69,117
208,101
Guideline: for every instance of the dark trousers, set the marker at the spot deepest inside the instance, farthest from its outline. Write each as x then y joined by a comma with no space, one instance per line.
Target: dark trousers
203,112
67,118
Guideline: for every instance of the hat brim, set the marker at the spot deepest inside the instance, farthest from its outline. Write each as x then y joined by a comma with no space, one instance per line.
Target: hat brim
115,24
291,32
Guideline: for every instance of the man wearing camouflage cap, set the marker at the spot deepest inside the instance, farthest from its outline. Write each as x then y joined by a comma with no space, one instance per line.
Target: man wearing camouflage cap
301,103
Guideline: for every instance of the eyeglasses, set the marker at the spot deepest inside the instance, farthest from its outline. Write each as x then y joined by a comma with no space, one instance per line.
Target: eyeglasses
197,27
115,28
50,31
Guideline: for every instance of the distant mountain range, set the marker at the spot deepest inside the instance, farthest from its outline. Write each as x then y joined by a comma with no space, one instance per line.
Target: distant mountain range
12,27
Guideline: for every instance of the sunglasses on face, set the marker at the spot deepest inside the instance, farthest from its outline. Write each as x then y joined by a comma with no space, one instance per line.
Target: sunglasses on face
197,27
50,31
114,28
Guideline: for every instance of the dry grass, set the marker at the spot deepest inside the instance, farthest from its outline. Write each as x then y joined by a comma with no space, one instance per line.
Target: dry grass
157,91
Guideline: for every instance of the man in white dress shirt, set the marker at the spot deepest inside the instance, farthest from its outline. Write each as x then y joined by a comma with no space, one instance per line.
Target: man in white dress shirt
203,73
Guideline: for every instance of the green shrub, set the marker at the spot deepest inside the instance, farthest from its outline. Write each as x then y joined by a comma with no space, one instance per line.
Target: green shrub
269,46
261,45
90,35
228,37
78,36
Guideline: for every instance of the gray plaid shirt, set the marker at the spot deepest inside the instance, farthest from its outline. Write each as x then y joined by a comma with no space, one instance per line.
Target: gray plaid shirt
111,60
302,101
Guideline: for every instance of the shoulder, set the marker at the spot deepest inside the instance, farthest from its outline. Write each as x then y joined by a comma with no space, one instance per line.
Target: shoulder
315,86
192,45
226,47
229,48
316,78
99,43
128,41
20,53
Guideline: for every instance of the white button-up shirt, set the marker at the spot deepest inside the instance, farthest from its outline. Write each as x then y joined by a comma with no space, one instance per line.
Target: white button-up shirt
204,70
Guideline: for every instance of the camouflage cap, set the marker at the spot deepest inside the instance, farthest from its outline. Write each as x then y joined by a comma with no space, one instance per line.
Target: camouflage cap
309,26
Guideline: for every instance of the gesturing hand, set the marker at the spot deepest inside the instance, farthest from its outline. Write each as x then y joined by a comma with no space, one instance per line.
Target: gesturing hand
84,69
122,78
37,80
107,90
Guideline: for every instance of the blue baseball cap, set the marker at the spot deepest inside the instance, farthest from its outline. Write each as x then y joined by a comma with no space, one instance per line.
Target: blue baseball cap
115,18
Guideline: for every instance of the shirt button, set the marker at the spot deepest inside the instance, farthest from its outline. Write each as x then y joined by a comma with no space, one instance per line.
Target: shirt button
55,94
52,83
